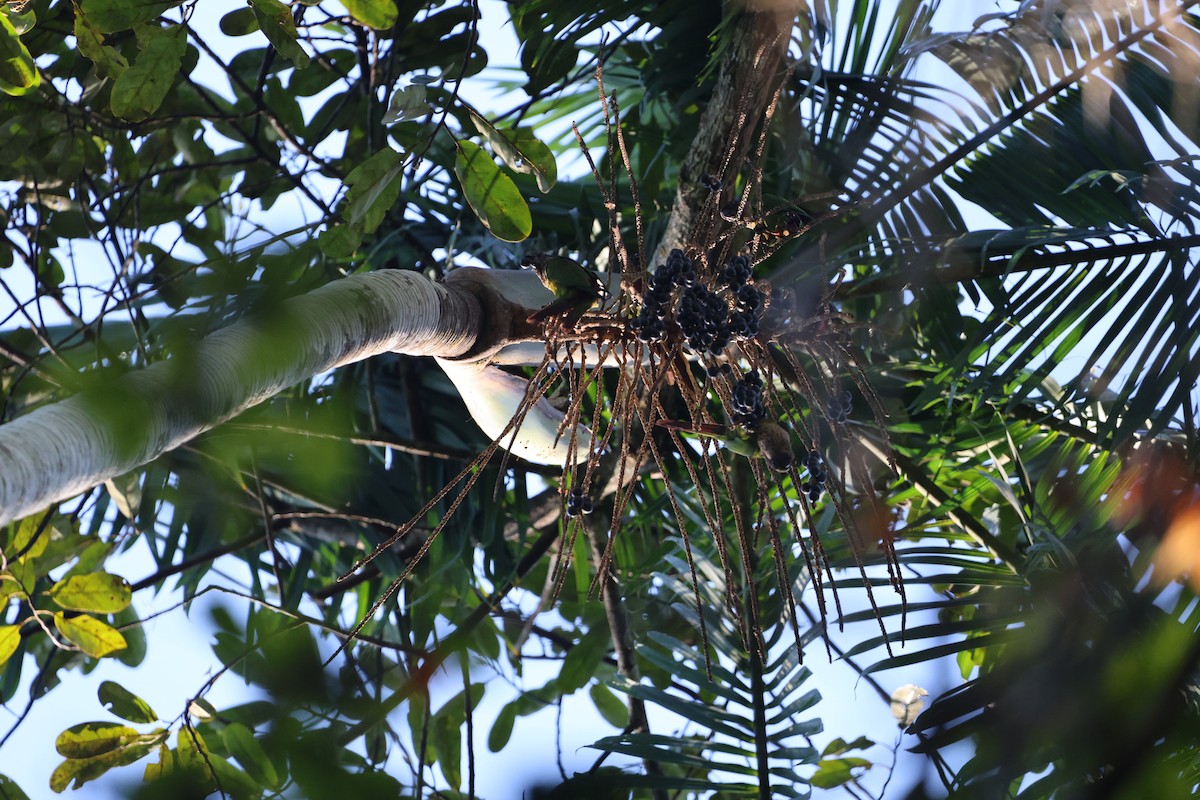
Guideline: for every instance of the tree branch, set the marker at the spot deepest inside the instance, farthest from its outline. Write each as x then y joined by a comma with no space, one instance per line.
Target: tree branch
60,450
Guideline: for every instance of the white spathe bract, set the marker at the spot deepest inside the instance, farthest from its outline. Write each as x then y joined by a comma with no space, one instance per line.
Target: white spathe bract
907,703
494,397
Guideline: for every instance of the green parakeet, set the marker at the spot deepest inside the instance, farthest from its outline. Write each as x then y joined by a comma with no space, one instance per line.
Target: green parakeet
770,441
575,288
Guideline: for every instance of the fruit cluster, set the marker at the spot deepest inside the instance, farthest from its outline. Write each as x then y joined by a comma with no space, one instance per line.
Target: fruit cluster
748,411
578,504
839,407
708,318
816,478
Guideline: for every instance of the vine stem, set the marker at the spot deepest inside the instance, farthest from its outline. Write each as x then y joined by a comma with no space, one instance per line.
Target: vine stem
750,629
618,625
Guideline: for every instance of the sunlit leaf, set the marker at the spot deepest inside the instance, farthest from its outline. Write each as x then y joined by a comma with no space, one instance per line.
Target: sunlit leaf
98,592
378,14
10,640
90,634
18,74
492,195
90,739
81,770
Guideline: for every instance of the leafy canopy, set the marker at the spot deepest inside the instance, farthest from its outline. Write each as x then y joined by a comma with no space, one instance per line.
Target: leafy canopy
973,253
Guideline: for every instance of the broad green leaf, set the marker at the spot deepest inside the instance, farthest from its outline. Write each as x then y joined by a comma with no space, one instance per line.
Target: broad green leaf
491,194
501,730
18,74
124,703
837,771
242,745
339,241
277,23
10,640
377,14
89,739
110,16
445,741
90,634
193,755
9,789
239,22
615,712
141,88
840,745
157,770
521,150
579,666
546,64
108,60
130,625
373,188
99,592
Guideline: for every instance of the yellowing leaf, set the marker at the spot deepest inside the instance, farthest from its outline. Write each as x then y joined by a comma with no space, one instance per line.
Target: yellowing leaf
29,540
142,87
377,14
128,750
10,640
89,739
98,592
491,194
89,634
18,74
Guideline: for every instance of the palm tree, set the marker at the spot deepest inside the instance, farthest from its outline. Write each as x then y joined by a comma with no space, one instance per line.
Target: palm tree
997,404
